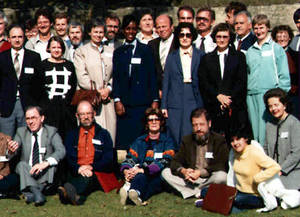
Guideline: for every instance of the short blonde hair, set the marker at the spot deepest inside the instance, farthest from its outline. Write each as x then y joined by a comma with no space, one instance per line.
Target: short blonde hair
261,19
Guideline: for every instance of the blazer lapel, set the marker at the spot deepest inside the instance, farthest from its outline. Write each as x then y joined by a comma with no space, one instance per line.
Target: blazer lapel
27,145
178,62
10,66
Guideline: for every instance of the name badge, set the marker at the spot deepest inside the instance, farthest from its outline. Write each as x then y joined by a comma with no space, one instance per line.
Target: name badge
267,53
209,155
96,142
28,70
158,155
136,60
43,150
3,159
284,135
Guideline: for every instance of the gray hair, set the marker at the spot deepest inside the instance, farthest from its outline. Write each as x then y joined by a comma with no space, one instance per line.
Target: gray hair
74,23
3,16
247,13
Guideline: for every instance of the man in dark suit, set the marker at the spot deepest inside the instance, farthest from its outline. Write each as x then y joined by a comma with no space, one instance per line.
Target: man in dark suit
134,86
223,82
19,83
163,45
244,36
40,148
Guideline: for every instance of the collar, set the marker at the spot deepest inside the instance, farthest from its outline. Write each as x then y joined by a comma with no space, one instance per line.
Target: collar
223,52
206,36
242,39
38,37
20,52
189,51
134,42
268,41
171,37
39,133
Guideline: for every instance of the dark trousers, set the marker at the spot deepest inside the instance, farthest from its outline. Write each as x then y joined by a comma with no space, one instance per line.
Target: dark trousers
146,185
247,201
9,183
84,185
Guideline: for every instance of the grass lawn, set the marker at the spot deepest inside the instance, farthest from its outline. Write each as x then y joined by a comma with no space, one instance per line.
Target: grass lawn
107,205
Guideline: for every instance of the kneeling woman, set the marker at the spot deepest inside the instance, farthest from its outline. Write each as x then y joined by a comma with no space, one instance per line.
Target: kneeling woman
147,157
282,137
251,167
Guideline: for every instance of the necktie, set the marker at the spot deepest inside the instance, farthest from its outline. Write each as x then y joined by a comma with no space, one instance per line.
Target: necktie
163,55
202,44
239,45
17,65
35,150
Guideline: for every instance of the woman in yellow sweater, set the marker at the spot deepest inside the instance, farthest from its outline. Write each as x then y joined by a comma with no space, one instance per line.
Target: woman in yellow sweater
251,167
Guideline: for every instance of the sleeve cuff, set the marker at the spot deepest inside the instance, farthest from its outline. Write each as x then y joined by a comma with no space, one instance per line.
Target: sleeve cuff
52,161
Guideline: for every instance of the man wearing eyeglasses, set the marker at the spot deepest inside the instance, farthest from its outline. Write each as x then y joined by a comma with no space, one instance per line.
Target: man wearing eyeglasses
205,18
41,149
112,24
89,150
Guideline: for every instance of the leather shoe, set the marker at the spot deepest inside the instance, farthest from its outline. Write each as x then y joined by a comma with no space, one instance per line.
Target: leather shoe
39,198
72,194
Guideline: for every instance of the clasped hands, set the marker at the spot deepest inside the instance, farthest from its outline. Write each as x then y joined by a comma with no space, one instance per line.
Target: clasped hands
224,100
190,175
85,170
129,174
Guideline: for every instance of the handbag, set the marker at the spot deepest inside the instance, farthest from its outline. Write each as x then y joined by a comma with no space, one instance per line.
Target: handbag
92,96
219,198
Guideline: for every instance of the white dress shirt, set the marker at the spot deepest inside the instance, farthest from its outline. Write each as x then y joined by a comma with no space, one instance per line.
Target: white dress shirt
221,60
209,45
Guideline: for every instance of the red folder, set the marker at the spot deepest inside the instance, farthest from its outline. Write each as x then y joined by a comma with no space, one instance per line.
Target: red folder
108,181
219,198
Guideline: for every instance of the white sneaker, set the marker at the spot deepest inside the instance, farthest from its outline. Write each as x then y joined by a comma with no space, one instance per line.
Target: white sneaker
134,196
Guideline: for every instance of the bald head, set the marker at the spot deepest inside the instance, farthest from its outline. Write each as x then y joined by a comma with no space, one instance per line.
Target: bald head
164,26
85,114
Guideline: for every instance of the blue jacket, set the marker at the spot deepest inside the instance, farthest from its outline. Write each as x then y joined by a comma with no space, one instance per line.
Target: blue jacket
173,85
153,156
103,158
139,89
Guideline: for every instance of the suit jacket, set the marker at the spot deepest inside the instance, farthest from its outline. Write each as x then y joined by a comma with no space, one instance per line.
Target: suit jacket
248,41
50,140
140,88
154,44
187,154
234,82
4,165
103,157
29,83
173,85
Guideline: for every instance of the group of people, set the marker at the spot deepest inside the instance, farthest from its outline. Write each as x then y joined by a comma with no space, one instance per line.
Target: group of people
173,99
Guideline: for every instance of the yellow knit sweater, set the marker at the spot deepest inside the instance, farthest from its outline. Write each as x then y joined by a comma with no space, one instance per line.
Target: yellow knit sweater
252,167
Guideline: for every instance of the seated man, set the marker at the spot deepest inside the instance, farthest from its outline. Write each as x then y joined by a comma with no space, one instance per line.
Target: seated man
8,180
41,148
201,159
89,150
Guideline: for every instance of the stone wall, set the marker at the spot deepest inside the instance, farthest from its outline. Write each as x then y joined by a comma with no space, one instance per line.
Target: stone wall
278,14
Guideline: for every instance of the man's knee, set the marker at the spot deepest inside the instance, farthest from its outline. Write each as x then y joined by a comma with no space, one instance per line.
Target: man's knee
219,177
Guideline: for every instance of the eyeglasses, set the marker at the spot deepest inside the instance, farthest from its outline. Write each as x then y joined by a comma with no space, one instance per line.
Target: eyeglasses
188,35
202,19
85,114
153,119
222,36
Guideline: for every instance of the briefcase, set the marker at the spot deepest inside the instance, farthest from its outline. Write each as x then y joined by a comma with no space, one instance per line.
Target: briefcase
219,198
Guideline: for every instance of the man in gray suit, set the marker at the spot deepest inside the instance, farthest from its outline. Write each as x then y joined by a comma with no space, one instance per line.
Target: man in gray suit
40,148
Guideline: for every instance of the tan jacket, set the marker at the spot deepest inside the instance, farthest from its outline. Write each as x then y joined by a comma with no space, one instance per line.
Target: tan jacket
89,64
4,166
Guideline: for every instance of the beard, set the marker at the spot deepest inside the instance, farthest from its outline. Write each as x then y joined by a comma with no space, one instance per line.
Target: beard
201,140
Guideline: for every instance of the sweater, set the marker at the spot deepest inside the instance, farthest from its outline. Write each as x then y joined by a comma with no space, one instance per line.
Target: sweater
251,167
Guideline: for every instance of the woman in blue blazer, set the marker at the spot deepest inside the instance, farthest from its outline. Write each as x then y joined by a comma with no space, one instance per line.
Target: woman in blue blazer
180,92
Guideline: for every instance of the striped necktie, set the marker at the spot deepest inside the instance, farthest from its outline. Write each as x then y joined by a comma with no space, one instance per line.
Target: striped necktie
35,150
